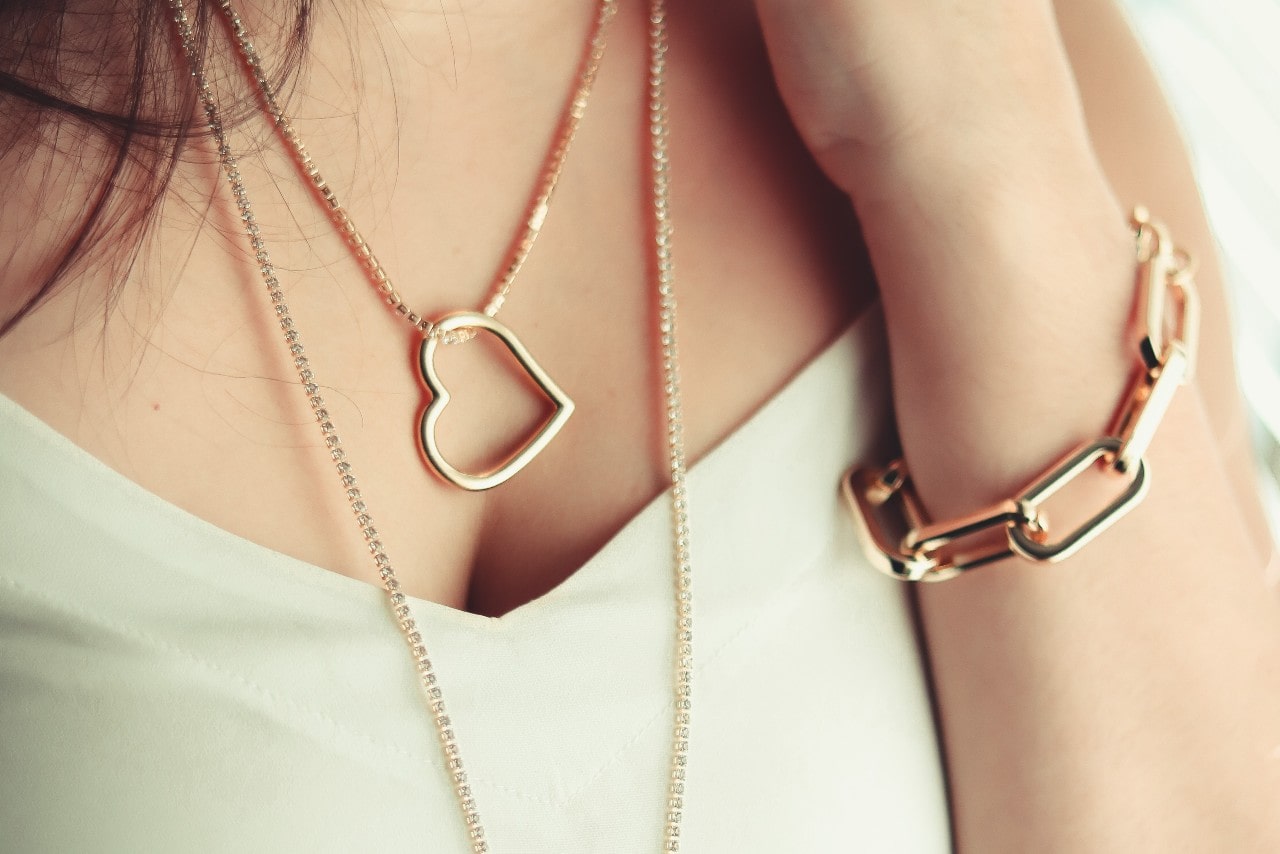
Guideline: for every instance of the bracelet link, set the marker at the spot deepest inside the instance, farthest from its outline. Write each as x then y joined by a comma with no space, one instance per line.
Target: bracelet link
899,542
1164,275
930,541
895,531
1146,406
883,505
1036,545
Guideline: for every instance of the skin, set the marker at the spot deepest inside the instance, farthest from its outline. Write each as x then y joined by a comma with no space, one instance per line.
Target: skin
1128,700
1124,701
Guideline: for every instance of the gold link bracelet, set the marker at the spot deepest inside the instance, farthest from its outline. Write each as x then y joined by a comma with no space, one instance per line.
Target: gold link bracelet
896,534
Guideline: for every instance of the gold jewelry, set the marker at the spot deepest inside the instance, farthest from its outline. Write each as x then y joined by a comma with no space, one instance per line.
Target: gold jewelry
682,565
453,328
897,535
460,321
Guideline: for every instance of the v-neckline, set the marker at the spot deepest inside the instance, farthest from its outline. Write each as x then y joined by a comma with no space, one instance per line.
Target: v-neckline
77,464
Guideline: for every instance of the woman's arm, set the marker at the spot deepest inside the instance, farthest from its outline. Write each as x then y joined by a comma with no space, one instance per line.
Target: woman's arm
1128,699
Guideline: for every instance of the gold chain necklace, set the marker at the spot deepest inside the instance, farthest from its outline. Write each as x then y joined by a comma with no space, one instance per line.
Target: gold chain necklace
663,272
456,326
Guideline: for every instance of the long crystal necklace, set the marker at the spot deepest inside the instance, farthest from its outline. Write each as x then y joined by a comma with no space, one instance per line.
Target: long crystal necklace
663,273
457,326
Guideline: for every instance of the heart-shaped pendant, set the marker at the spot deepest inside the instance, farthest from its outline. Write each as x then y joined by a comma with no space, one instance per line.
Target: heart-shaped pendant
440,399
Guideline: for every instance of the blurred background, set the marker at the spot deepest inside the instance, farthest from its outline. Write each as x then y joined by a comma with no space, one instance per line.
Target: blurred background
1220,63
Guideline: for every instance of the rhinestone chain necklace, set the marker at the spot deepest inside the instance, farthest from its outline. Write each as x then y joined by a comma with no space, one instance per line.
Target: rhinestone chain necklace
658,123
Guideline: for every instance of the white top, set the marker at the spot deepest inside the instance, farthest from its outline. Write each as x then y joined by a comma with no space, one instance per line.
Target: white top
168,686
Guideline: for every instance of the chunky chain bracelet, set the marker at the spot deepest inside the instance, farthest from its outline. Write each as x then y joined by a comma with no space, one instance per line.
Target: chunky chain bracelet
896,533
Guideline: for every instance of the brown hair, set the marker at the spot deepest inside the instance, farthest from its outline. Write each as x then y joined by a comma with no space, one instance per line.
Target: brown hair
104,88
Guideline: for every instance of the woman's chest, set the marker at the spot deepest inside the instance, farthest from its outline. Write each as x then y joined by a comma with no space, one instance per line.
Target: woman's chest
194,393
238,698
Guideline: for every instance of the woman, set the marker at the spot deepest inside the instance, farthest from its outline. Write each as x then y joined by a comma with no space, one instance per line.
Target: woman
172,685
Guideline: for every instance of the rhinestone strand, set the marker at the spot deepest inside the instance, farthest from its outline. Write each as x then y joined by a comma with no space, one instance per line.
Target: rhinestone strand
396,599
537,211
659,125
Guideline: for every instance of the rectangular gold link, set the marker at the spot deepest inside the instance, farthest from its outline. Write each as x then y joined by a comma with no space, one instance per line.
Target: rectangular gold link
1148,403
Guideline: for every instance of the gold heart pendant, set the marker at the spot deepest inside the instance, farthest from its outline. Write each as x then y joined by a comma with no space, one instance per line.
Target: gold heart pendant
440,399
